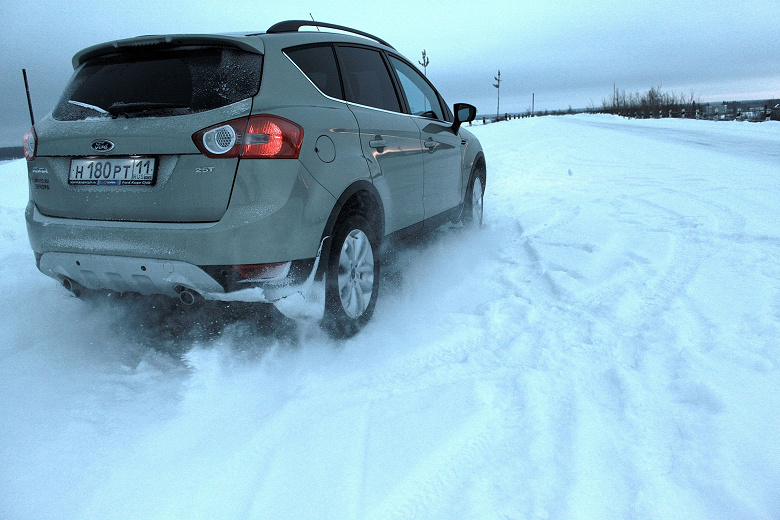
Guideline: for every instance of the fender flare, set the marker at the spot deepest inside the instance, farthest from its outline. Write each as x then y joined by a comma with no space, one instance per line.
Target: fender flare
479,157
378,218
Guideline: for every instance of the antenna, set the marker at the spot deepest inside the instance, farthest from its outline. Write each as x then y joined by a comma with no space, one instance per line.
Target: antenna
312,19
29,102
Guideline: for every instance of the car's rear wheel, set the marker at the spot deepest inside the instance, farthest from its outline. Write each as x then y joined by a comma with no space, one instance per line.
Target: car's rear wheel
352,277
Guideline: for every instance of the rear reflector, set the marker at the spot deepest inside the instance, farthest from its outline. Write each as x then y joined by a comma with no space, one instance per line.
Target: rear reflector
255,137
30,144
263,271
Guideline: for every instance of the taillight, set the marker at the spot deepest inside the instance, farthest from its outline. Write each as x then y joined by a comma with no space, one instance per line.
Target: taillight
30,144
255,137
219,140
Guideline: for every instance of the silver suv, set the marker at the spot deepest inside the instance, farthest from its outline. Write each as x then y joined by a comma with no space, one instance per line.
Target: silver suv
264,167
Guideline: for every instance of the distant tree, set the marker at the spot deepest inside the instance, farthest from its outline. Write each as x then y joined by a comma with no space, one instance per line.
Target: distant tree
655,102
424,63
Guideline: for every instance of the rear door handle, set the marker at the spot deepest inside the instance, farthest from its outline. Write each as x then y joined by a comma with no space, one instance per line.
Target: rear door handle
431,144
377,142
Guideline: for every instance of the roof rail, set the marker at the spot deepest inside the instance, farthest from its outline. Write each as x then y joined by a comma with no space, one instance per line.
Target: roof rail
295,25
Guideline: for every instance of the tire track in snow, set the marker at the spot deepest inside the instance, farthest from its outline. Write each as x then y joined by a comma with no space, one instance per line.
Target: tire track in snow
571,305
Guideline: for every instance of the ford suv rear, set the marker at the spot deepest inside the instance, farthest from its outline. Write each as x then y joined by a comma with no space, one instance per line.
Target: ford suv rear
262,167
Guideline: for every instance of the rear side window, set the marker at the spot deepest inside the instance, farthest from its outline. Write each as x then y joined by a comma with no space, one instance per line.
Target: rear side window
366,78
319,65
166,82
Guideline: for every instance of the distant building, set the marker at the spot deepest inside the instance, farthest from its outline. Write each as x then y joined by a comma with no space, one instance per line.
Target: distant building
716,111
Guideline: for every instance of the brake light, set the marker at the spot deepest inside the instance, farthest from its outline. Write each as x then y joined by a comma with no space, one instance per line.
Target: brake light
255,137
30,144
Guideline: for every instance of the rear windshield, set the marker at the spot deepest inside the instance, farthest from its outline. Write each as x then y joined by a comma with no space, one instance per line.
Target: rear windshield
177,81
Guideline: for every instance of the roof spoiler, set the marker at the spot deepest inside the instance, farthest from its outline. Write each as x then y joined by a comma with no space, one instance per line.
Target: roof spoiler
157,41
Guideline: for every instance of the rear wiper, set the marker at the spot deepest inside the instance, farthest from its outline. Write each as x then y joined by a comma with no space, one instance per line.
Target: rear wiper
123,109
87,105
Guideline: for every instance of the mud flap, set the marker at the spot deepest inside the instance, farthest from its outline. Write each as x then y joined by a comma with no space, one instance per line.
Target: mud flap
308,302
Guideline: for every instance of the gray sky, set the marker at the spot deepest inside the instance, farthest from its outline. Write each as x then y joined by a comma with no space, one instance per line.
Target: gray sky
568,53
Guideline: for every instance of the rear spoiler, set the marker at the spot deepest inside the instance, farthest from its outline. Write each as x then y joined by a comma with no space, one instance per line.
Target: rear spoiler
163,42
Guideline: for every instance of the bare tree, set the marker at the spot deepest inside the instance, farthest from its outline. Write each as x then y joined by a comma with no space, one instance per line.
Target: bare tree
497,84
424,63
653,103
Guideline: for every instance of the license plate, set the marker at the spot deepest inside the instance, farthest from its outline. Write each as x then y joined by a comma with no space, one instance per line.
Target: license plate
114,171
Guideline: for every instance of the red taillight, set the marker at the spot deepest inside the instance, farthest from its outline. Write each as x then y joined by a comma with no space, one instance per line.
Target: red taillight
256,137
263,271
30,144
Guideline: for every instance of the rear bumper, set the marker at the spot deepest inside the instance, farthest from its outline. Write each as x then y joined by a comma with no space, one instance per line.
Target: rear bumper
167,277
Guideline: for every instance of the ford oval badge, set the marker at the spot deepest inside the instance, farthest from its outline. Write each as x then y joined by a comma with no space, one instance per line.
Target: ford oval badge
102,145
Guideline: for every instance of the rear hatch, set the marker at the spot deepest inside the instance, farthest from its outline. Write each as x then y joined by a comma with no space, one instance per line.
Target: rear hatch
118,145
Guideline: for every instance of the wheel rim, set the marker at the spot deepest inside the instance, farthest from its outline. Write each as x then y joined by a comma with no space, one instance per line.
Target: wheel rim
356,273
476,202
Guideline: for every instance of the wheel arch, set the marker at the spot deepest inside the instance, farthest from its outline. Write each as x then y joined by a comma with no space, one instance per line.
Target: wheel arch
479,168
361,197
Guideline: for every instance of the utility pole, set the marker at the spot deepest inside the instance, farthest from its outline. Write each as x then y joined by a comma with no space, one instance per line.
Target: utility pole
424,63
533,103
497,84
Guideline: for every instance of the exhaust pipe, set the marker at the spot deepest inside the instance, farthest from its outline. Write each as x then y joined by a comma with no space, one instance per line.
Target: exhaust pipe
188,297
72,287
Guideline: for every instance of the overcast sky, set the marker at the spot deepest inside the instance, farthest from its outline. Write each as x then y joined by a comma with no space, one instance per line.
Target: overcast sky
567,53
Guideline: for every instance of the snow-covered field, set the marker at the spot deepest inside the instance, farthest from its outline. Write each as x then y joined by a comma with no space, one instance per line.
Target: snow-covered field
608,346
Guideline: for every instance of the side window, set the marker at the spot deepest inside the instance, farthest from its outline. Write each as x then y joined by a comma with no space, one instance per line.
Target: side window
422,99
319,65
366,78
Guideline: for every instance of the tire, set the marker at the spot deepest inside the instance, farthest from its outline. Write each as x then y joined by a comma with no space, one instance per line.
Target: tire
352,277
473,205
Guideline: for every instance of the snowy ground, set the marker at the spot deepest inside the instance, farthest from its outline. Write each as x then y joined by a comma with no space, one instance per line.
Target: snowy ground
608,346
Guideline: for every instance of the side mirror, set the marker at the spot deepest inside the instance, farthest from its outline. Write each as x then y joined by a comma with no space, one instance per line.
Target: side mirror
464,113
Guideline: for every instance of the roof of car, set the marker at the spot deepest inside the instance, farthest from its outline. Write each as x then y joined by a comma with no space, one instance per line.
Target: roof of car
239,39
